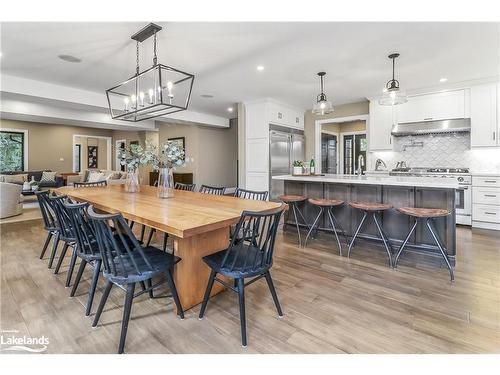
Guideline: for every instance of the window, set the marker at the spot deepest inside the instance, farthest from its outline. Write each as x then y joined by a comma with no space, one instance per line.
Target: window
12,151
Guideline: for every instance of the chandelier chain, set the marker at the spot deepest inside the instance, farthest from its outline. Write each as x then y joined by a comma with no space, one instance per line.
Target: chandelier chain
155,59
137,59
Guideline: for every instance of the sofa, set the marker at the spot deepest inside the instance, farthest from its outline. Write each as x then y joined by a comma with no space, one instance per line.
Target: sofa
11,200
58,182
111,177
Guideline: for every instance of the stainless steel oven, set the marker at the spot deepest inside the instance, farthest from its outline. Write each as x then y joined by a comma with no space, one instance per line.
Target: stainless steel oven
463,201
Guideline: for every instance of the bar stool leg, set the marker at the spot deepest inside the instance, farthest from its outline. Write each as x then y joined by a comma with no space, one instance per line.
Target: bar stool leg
314,223
387,244
443,252
294,209
337,224
395,263
334,230
356,234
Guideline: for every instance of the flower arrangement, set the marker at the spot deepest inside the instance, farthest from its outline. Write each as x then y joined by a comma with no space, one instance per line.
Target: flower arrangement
134,156
298,163
169,155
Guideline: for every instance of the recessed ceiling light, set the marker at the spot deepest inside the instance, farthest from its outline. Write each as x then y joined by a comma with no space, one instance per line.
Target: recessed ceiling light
69,58
443,79
260,68
207,96
230,109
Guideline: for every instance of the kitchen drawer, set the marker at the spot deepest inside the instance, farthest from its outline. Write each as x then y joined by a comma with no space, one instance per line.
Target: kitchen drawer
484,195
482,212
486,181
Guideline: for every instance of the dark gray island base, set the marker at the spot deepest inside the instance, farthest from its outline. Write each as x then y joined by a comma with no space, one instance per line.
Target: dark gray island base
395,224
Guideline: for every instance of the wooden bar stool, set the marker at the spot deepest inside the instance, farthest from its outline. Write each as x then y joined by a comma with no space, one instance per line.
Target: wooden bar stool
372,209
428,214
293,201
328,205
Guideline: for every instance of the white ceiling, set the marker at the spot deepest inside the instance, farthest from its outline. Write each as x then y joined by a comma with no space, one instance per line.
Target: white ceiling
224,56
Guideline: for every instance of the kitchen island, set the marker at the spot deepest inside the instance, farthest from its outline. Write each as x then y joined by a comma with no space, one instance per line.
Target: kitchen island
394,190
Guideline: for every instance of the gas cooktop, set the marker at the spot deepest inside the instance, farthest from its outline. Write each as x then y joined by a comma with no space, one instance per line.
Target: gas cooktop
421,170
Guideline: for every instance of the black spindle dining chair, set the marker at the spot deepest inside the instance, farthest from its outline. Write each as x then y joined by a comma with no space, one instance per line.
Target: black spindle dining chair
87,248
212,190
66,234
126,263
186,187
49,222
251,194
246,259
103,183
177,186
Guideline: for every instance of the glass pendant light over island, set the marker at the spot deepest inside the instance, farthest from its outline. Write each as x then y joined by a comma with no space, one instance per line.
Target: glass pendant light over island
322,105
157,91
392,94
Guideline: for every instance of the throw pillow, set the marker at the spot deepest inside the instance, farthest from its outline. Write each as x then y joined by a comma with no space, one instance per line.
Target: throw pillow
15,178
95,176
48,176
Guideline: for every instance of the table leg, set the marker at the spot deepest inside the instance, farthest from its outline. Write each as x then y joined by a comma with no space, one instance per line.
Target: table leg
191,273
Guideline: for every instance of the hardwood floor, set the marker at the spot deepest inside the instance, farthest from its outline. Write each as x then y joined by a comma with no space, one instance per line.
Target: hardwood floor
331,304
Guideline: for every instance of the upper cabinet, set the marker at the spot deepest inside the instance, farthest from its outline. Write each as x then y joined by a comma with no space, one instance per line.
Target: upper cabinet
484,117
380,127
285,116
432,107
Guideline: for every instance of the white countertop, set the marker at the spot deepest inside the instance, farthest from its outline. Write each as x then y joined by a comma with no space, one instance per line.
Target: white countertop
485,174
430,182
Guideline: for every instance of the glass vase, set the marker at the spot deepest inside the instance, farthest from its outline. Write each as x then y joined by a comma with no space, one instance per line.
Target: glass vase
165,183
132,182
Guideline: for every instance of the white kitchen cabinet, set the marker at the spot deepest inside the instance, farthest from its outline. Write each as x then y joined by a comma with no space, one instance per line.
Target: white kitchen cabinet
486,202
380,127
484,119
284,116
259,114
432,107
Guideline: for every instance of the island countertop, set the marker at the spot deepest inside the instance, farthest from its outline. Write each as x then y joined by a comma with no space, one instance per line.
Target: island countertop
426,182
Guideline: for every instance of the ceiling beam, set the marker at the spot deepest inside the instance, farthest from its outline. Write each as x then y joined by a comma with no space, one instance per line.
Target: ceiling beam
47,92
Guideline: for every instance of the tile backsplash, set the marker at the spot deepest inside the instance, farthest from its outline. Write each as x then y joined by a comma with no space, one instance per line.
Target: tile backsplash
440,150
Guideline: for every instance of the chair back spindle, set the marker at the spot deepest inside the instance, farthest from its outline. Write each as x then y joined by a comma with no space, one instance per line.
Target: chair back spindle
186,187
251,194
103,183
212,190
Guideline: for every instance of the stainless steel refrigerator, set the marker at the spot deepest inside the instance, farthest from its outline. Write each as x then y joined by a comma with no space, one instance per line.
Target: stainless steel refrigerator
285,146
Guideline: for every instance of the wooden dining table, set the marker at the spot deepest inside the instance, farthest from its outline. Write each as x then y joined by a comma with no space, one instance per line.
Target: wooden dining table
199,225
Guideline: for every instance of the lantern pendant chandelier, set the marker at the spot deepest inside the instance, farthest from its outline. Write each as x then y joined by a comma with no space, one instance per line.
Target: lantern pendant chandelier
391,94
322,105
157,91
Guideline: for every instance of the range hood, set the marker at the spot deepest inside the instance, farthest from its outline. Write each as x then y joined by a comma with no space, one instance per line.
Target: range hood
431,127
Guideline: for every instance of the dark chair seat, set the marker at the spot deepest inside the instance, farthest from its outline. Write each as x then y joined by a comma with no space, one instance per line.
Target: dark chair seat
292,198
325,202
242,260
160,262
423,212
370,206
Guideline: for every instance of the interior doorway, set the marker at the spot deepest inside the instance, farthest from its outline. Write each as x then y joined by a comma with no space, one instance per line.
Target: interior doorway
93,150
119,144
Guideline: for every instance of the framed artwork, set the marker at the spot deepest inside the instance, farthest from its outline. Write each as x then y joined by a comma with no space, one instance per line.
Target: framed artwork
92,156
181,141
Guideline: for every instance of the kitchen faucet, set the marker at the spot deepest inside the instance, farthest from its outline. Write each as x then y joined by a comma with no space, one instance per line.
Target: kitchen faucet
361,163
